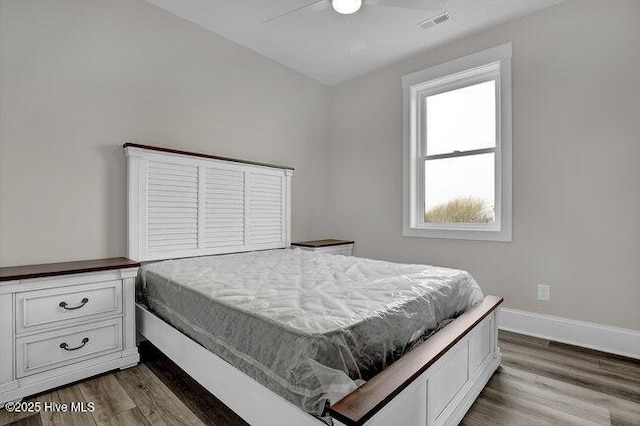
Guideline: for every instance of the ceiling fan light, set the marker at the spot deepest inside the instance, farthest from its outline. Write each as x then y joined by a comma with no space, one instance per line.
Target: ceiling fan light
346,7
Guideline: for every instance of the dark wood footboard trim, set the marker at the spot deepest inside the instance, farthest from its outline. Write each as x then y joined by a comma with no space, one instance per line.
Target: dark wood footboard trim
361,404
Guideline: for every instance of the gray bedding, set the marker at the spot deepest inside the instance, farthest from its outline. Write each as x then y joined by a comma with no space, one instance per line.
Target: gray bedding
309,326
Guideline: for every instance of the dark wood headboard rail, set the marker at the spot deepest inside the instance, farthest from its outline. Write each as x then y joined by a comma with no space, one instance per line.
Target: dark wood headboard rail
363,403
201,155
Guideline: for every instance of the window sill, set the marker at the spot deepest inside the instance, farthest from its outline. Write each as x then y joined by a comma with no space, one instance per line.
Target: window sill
459,234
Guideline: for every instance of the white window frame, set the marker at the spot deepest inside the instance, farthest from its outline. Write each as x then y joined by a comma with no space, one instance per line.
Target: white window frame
492,64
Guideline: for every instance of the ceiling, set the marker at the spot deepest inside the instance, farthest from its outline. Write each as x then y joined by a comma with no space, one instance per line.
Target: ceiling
333,48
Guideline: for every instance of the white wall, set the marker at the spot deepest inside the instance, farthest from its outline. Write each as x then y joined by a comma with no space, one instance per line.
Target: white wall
80,77
576,143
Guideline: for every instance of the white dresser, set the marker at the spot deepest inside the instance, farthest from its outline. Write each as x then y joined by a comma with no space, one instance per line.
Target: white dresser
64,322
330,246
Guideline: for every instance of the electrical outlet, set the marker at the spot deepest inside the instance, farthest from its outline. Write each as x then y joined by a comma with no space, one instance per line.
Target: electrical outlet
544,292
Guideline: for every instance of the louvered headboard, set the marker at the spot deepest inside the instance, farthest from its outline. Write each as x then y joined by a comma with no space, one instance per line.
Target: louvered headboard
183,204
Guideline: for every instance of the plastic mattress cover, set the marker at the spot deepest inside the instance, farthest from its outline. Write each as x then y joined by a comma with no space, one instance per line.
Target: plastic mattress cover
311,327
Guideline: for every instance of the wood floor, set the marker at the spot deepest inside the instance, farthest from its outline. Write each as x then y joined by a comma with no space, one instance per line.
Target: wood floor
539,382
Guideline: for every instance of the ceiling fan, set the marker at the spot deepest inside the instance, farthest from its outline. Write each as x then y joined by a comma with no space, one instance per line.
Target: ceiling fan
350,7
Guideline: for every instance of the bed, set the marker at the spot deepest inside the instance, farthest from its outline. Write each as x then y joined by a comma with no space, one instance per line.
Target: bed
268,329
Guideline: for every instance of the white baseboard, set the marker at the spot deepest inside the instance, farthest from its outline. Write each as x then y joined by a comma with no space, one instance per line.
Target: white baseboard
604,338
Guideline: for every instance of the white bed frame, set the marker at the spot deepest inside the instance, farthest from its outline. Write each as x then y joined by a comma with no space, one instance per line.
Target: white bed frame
184,204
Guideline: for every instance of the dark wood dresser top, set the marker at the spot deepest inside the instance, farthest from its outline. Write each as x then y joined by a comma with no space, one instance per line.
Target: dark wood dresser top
322,243
13,273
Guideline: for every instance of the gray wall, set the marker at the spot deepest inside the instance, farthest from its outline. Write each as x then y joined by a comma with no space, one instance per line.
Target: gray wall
576,143
80,77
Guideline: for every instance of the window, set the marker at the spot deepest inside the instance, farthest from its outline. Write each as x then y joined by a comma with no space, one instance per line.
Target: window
458,148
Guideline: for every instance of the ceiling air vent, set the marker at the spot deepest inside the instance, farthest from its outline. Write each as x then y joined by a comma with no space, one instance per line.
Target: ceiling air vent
436,20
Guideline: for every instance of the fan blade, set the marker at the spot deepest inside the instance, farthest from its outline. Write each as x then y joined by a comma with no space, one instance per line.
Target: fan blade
316,6
410,4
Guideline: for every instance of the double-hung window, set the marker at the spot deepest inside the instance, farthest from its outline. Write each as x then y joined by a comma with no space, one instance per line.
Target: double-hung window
457,119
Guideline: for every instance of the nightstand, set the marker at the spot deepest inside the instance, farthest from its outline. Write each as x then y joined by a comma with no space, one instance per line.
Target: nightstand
330,246
64,322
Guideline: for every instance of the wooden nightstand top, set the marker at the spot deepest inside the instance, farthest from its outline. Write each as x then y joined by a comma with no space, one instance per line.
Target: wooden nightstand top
322,243
13,273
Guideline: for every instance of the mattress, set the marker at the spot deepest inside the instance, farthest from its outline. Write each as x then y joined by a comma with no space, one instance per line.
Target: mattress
309,326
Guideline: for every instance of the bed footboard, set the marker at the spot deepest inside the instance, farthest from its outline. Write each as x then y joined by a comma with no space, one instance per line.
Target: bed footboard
434,384
437,382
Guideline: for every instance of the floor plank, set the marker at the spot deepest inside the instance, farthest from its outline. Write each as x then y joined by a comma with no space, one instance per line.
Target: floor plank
619,408
621,368
206,407
108,396
59,418
32,420
133,417
7,417
565,372
591,365
484,413
586,384
158,404
508,336
534,392
533,410
595,353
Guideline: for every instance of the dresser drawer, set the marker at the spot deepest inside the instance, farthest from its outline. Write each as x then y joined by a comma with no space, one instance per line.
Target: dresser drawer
345,250
43,351
49,308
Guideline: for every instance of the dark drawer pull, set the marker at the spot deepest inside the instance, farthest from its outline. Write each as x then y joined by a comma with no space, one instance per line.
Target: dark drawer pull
83,302
67,348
